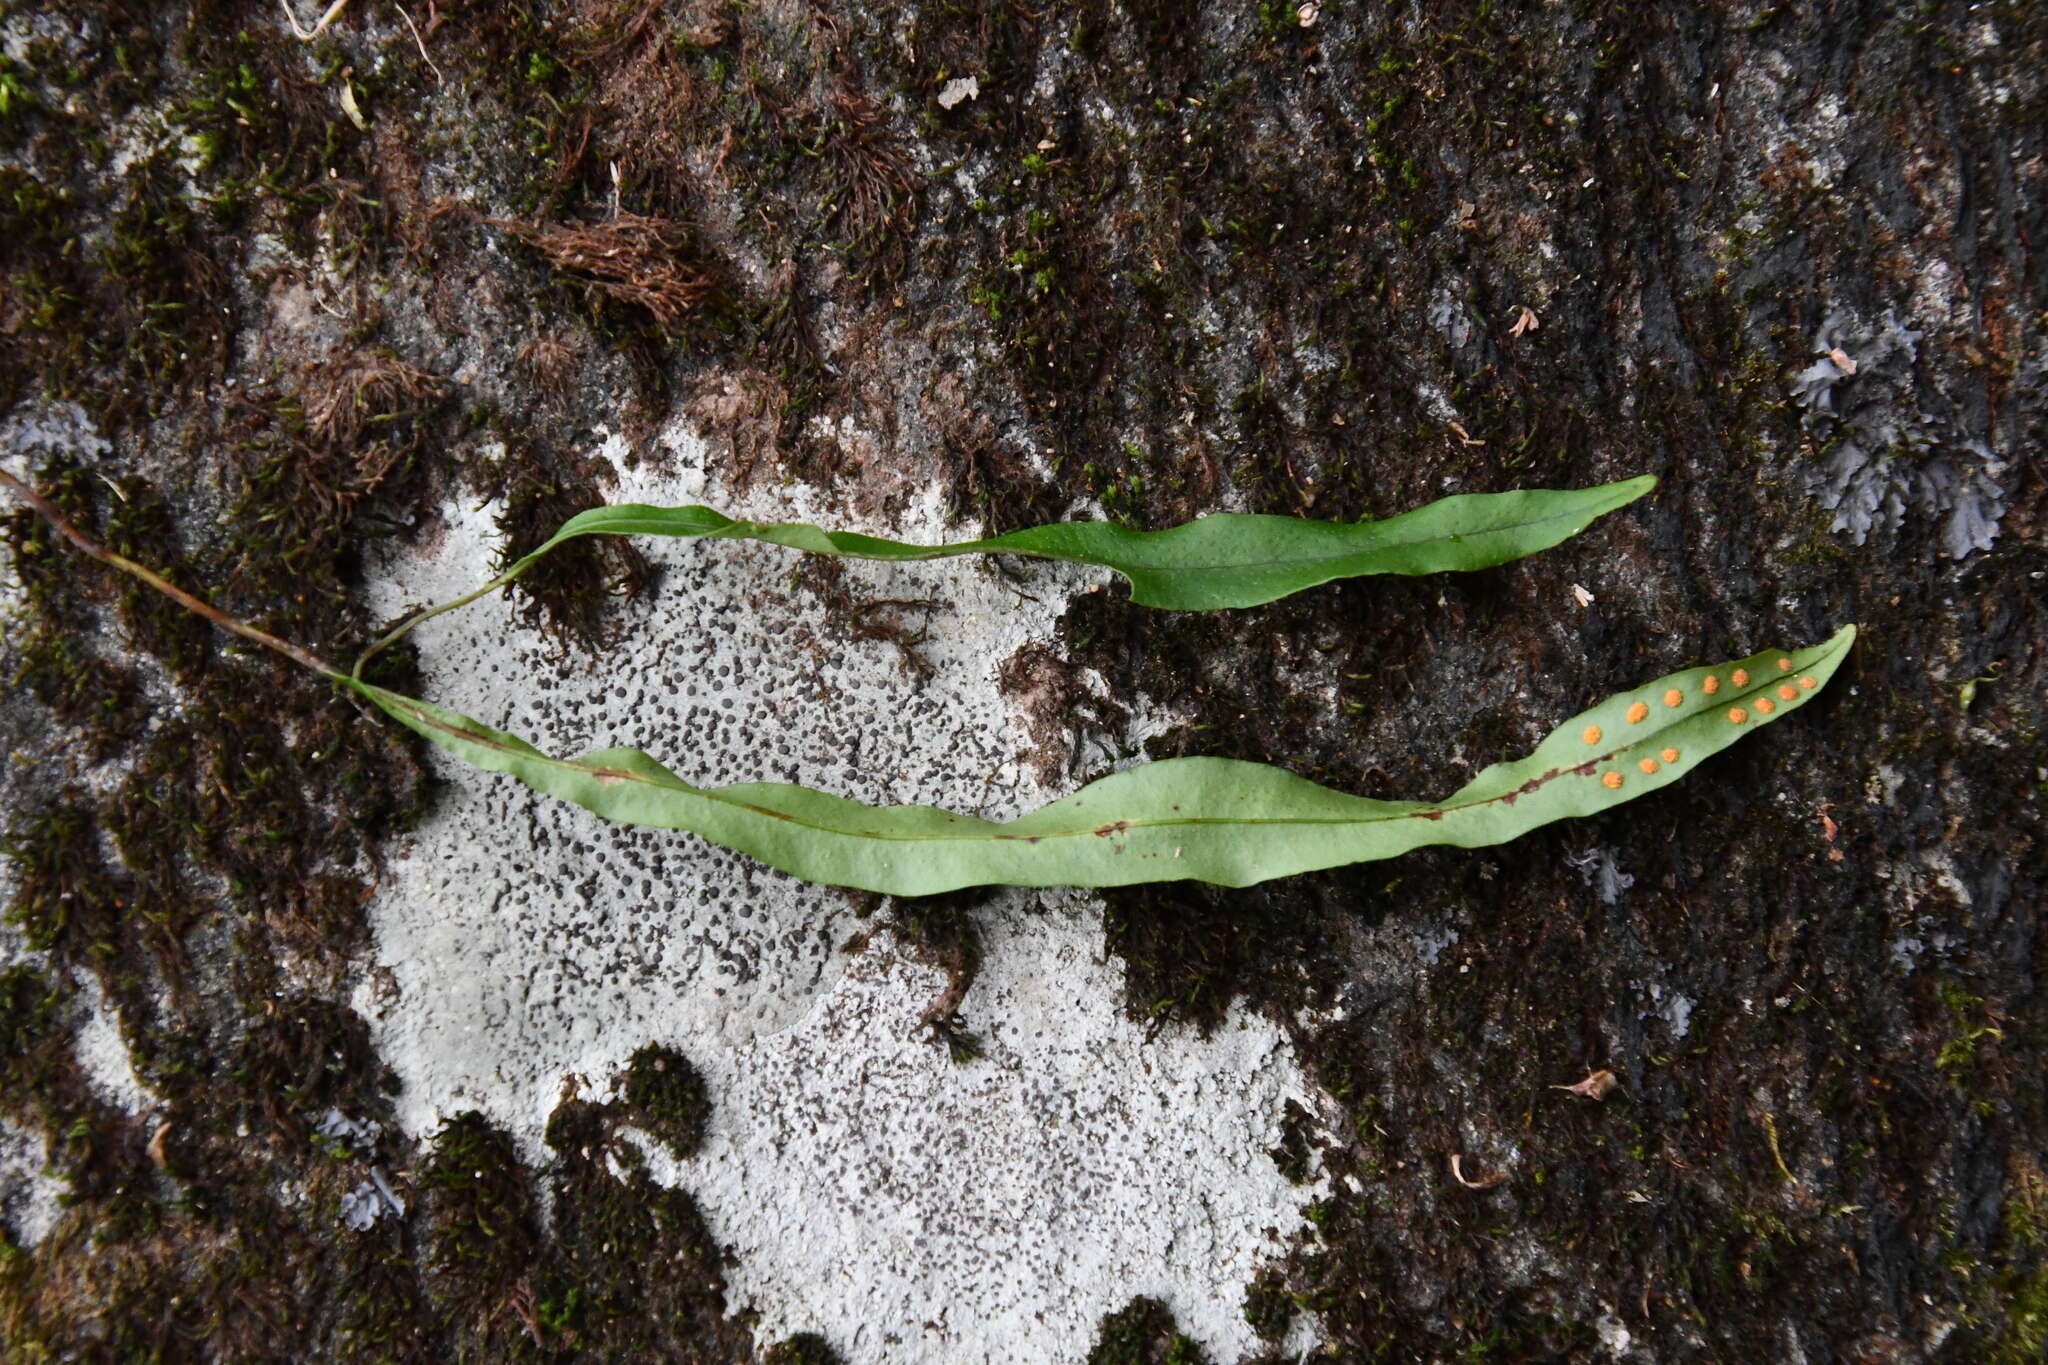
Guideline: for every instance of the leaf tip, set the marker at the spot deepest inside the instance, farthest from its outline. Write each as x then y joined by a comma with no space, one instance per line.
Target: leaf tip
1625,491
1836,646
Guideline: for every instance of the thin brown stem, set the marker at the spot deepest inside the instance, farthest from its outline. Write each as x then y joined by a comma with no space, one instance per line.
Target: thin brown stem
404,628
86,545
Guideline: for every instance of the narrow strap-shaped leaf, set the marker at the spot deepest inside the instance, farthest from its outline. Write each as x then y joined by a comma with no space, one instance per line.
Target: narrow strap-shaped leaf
1204,819
1226,560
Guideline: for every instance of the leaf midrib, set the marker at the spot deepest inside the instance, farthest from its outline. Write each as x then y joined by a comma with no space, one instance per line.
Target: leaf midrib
1390,542
749,530
1127,823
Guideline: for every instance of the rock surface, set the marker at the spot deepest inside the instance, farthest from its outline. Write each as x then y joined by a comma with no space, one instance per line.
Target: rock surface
319,327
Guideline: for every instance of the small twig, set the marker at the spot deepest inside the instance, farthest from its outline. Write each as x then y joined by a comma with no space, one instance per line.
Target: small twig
418,41
171,590
306,35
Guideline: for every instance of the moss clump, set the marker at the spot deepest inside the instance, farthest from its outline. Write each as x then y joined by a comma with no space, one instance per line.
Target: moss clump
943,932
29,1040
572,590
664,1095
1142,1332
139,525
305,1056
1267,1307
67,903
315,469
2025,1337
805,1348
633,1272
480,1235
100,700
55,582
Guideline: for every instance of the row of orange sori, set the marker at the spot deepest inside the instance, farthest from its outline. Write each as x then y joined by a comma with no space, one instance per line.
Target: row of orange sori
1674,697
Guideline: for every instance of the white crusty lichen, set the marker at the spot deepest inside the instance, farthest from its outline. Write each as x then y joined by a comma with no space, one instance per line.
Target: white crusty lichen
867,1187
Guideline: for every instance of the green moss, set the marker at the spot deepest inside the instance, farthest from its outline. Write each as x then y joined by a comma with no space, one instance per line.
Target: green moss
479,1237
1268,1307
139,525
304,1057
1143,1333
2025,1334
805,1348
159,276
99,699
664,1095
636,1275
55,579
67,902
632,1273
30,1039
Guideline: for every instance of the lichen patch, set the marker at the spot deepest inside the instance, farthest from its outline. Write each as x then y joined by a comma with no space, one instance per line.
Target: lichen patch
522,941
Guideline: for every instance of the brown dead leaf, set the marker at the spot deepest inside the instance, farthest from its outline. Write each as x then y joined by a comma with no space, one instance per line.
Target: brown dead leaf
1830,829
635,259
1598,1085
1525,321
1485,1182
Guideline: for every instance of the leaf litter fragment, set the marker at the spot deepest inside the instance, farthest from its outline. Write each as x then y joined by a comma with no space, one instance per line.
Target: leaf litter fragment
1598,1085
1484,1182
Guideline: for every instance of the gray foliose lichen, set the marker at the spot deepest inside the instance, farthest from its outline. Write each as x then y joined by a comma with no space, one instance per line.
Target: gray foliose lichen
1892,445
